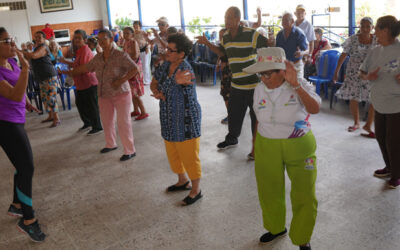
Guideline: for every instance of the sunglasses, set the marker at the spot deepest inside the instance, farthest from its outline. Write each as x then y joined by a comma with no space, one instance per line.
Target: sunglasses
267,74
8,41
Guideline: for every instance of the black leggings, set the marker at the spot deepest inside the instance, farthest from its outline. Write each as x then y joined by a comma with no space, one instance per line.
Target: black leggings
16,145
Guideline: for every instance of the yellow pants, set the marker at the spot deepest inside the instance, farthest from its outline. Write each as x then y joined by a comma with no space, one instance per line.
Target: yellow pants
184,157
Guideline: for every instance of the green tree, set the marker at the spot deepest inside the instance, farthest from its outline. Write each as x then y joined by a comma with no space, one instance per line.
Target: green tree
195,24
123,22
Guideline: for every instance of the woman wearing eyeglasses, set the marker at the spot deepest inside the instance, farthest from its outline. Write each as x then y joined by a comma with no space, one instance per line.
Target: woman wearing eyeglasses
283,104
46,75
180,116
13,138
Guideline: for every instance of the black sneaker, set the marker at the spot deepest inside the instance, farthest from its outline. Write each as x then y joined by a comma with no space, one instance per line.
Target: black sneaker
94,132
308,247
268,237
127,157
33,230
14,211
84,128
226,145
106,150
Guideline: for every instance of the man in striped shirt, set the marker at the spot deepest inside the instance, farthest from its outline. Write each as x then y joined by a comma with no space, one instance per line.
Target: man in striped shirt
240,44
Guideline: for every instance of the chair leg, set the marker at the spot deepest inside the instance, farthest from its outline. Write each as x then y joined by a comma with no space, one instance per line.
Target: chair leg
215,75
62,98
69,98
318,88
333,91
326,90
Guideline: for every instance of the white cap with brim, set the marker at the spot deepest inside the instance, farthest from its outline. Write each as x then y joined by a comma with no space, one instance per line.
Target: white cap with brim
268,59
162,19
300,7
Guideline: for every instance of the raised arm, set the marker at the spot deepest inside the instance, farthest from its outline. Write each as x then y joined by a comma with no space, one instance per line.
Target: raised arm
41,52
203,40
16,93
258,23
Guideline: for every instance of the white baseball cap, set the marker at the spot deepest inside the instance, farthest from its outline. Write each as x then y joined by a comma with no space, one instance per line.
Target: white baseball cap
162,19
300,7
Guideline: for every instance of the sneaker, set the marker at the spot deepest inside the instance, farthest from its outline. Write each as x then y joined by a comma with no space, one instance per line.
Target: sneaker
394,183
268,237
381,173
225,120
33,230
127,157
226,145
14,211
84,128
106,150
250,157
308,247
94,132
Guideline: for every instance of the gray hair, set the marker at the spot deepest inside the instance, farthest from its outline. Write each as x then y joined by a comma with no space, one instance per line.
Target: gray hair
367,19
287,13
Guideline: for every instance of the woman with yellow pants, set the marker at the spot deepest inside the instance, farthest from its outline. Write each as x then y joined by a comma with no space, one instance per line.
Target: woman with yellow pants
180,116
283,104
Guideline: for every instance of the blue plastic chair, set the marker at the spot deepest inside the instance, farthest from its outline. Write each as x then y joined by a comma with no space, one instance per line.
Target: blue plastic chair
326,68
64,90
339,82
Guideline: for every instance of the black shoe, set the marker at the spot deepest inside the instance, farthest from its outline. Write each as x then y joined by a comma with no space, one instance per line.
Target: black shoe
250,157
189,200
94,132
83,128
183,187
127,157
106,150
267,237
305,247
33,230
226,145
14,211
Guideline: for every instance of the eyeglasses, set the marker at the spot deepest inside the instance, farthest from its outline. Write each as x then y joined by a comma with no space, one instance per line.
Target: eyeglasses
8,41
171,50
267,74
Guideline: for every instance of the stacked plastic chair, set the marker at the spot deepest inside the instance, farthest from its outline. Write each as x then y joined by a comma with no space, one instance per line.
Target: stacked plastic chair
339,82
326,68
64,89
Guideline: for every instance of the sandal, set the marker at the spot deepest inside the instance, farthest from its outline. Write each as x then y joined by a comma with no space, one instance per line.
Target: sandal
189,200
141,117
136,113
369,135
175,188
352,128
56,124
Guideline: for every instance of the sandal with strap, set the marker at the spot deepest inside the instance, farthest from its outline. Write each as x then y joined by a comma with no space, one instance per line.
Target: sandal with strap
369,135
175,188
352,128
189,200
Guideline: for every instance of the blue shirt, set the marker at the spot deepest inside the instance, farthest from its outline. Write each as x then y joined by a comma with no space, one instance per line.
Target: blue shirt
180,113
296,39
116,37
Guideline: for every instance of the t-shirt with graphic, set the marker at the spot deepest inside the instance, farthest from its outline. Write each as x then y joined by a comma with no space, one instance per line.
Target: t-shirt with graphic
280,112
385,90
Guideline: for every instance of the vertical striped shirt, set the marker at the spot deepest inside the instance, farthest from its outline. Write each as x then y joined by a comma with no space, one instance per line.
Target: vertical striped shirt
242,52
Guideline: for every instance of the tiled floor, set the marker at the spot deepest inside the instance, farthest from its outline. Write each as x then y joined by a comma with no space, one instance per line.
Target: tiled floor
90,201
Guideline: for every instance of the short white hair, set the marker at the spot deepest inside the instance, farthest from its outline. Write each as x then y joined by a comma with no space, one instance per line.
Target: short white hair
287,13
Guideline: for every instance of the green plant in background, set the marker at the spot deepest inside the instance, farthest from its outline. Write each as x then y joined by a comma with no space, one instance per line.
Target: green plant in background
195,24
123,22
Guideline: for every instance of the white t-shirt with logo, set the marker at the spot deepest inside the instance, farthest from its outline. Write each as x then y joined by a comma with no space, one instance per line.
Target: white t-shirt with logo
280,112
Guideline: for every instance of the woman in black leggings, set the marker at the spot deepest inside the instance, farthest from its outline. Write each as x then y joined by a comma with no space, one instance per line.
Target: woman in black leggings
13,139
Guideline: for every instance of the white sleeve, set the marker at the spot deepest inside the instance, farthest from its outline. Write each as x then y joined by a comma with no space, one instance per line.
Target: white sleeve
310,89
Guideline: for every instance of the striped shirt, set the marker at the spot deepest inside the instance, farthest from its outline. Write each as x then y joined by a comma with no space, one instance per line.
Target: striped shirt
242,52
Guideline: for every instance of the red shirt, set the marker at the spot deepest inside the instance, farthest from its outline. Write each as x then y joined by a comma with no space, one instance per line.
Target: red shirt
85,80
49,32
321,44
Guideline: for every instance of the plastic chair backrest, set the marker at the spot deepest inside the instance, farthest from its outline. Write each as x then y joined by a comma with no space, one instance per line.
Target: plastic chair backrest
327,64
342,72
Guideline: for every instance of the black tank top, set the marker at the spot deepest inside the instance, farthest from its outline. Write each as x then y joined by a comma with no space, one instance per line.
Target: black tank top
43,68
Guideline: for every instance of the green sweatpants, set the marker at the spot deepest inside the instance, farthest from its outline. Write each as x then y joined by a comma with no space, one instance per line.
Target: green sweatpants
298,156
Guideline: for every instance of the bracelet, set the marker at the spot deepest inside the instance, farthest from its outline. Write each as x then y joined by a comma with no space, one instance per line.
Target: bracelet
298,87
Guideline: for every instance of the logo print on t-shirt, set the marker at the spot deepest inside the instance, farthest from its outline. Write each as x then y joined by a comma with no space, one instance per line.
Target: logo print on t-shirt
292,101
262,104
309,164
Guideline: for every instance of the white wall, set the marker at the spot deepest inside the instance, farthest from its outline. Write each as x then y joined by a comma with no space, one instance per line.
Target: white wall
16,23
84,10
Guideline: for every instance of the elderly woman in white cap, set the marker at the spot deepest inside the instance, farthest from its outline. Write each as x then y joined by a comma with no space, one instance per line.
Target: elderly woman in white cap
283,104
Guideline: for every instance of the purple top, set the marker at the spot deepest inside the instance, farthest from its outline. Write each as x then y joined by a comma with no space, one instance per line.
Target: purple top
11,111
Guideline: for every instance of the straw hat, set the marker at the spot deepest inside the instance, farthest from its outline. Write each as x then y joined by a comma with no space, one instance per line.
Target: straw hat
268,59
